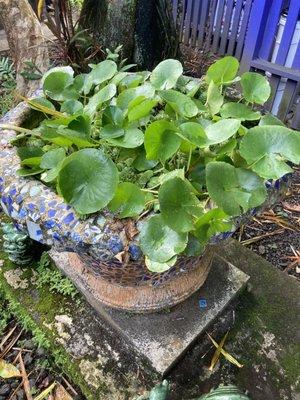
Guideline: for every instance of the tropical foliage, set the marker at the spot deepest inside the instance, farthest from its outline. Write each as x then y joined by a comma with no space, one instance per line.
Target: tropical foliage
171,148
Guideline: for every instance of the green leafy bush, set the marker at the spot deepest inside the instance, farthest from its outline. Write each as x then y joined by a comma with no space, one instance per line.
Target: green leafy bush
158,144
7,84
7,72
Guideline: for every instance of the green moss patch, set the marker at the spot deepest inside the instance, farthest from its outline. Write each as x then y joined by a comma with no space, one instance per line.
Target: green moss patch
61,322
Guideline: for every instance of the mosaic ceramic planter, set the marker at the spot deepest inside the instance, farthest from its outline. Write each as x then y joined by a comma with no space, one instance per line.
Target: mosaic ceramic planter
97,240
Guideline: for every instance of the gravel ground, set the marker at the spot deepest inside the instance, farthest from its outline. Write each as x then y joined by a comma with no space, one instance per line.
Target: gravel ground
275,235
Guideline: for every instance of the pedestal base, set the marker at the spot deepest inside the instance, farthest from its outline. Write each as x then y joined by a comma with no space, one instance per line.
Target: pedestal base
162,338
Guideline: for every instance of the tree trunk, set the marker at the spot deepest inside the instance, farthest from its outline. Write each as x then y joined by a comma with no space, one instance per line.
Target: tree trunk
145,28
25,39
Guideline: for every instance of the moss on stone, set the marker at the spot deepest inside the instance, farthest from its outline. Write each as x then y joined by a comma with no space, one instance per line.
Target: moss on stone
37,316
290,363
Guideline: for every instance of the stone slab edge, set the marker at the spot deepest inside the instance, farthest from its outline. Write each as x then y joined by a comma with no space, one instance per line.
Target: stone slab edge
163,338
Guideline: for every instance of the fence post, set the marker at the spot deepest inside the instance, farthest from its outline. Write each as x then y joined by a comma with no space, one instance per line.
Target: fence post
254,36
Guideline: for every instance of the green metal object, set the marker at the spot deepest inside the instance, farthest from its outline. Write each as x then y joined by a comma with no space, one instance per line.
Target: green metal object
159,392
230,392
16,244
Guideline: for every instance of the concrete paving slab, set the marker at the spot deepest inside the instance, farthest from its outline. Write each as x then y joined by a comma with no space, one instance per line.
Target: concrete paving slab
162,338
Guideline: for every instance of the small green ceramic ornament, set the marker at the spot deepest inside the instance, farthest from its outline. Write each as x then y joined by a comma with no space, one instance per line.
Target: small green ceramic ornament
229,392
16,245
160,391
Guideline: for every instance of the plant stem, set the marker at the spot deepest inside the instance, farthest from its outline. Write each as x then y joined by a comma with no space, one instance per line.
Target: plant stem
150,202
158,171
150,191
18,129
189,161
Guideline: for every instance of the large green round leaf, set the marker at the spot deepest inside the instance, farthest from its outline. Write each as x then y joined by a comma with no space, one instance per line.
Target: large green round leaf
214,99
269,119
52,158
256,88
127,96
132,138
29,171
211,223
100,97
166,74
234,189
193,133
159,242
29,152
41,101
221,130
223,70
112,115
111,131
128,201
71,107
239,111
161,142
141,110
88,180
266,148
157,267
77,131
103,71
178,205
180,103
56,80
141,163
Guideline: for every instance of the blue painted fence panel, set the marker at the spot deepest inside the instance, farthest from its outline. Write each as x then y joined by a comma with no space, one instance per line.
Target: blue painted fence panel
219,24
272,47
260,33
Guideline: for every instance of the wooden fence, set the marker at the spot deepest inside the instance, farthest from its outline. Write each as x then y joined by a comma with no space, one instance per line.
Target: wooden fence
219,25
272,47
263,34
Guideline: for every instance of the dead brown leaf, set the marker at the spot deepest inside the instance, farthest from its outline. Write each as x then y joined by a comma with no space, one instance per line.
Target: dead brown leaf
26,384
130,229
60,393
291,207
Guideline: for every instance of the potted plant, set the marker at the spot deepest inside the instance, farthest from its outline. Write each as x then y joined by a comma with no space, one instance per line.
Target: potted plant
141,173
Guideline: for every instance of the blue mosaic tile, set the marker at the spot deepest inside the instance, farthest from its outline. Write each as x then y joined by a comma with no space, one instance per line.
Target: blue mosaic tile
56,236
34,231
19,199
31,207
69,218
76,237
135,252
34,191
13,191
35,216
52,203
50,224
51,213
202,303
115,245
